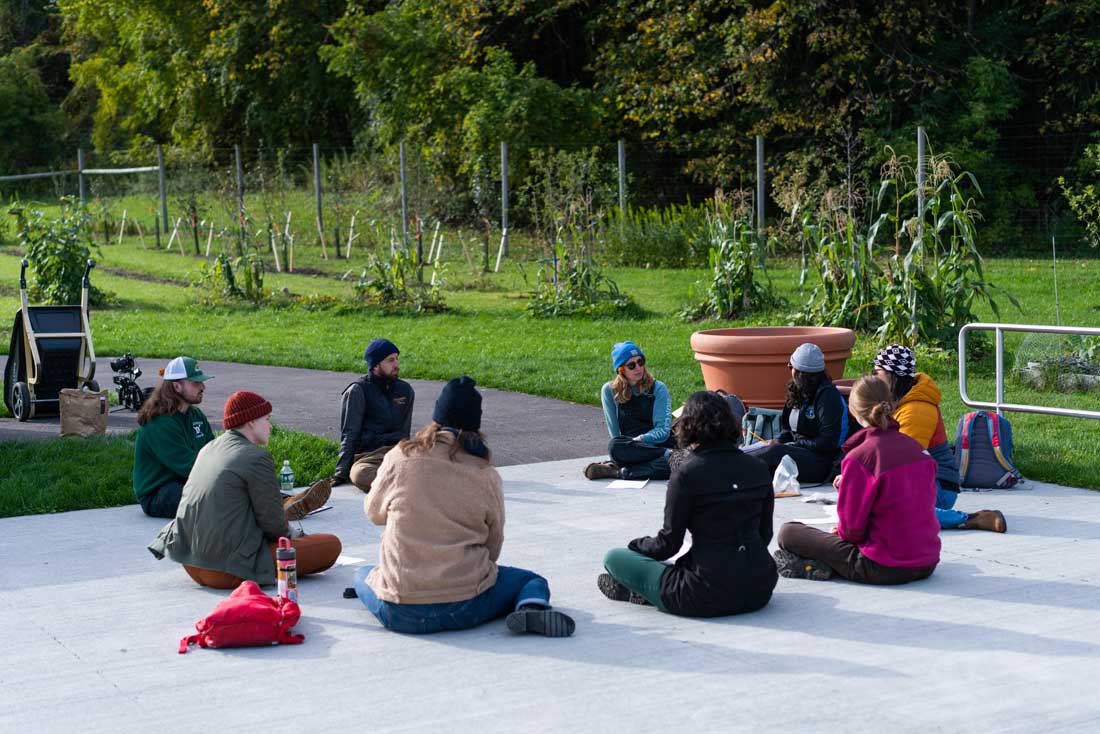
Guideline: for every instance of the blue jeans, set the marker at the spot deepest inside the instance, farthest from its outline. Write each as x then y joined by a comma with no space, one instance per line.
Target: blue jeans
163,501
945,500
514,587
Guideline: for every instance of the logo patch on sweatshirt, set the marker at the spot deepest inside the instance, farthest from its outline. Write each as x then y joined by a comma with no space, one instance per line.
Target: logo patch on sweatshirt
810,412
400,400
198,429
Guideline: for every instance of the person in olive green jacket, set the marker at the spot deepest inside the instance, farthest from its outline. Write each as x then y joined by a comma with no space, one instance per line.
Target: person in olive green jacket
232,514
172,430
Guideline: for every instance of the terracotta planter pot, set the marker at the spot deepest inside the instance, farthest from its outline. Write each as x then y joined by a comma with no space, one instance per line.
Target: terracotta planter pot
752,361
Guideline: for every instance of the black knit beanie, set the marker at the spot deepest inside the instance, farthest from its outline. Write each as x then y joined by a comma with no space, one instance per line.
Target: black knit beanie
459,405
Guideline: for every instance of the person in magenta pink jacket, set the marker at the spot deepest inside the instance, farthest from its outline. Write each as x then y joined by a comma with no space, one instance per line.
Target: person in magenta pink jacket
887,531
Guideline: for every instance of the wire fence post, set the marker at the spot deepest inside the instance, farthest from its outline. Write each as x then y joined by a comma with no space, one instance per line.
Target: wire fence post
503,200
80,174
162,182
760,194
622,175
404,199
317,188
240,199
920,182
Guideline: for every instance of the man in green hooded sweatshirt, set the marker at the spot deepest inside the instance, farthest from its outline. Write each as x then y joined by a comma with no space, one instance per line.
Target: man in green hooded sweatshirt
172,430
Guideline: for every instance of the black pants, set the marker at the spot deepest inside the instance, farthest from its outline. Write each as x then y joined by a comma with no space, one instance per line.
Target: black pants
844,557
163,501
813,466
639,460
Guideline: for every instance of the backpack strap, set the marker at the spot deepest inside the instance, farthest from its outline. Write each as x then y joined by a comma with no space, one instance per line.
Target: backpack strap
844,427
964,444
993,422
188,641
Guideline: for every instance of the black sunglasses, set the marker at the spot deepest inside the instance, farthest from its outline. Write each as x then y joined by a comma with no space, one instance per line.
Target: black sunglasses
639,362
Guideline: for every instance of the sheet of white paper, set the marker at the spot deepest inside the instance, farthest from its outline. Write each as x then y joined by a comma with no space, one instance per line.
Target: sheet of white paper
628,484
342,560
831,517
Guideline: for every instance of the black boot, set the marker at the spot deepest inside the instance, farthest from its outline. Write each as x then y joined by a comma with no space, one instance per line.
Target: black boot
617,591
540,620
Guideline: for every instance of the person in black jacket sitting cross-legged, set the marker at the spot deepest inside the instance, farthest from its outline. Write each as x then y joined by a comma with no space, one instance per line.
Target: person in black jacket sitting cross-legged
375,414
725,498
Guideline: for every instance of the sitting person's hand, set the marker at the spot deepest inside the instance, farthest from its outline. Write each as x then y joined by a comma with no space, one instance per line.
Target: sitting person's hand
836,482
296,532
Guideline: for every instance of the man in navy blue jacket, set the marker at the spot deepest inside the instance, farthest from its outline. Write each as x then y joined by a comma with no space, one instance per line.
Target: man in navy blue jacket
375,414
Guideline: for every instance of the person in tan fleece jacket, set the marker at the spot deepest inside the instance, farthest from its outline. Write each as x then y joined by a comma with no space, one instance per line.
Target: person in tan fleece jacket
442,505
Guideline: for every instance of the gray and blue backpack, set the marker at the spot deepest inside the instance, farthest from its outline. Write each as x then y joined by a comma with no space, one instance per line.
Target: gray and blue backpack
983,451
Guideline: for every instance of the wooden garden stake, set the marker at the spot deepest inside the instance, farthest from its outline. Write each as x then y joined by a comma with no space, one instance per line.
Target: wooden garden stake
438,253
274,250
466,252
141,235
351,235
175,231
122,227
500,252
431,248
209,238
178,221
321,236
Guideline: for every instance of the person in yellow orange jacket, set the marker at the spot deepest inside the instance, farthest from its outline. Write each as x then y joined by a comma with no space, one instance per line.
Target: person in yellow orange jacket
917,411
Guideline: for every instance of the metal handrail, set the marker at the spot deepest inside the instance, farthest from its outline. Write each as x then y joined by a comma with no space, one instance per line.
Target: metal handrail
999,404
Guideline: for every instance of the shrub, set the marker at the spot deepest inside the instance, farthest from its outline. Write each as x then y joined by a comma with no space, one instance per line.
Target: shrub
398,284
234,279
567,191
919,288
1083,197
671,237
734,289
58,251
568,286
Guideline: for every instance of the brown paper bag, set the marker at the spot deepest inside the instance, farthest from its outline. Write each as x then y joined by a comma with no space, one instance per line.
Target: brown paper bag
83,412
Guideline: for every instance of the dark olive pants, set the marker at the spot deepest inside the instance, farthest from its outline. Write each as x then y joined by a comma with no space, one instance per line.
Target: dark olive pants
844,557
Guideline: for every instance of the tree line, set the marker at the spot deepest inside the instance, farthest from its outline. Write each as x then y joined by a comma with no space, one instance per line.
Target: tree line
828,83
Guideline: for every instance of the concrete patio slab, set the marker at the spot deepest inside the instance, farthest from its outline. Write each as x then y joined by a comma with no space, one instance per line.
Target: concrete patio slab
1004,637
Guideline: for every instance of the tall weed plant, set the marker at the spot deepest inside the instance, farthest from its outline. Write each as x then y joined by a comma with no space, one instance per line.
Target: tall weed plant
397,284
908,278
675,236
58,251
739,283
567,285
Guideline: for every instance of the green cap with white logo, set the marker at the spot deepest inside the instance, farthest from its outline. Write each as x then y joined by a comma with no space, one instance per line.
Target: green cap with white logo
184,368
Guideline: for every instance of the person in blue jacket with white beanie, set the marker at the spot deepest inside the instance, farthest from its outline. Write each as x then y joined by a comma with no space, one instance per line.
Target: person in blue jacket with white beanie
638,412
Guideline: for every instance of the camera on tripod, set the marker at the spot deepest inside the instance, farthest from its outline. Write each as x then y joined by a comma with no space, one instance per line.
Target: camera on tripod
130,395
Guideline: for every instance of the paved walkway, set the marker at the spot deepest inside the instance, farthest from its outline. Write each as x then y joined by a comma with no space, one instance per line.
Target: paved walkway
1004,637
521,428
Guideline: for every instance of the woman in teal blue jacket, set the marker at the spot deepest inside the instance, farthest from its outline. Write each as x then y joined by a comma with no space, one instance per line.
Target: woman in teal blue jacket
638,412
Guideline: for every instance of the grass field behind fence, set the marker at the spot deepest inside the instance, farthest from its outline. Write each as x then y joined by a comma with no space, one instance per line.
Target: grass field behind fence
486,334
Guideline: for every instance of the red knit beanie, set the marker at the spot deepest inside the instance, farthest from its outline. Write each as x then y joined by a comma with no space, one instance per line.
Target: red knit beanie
244,406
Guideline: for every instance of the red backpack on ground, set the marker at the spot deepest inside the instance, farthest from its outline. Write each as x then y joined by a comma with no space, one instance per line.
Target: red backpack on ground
248,618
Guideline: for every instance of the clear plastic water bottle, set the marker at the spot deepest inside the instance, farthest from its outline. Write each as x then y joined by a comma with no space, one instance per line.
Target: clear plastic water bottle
286,570
286,477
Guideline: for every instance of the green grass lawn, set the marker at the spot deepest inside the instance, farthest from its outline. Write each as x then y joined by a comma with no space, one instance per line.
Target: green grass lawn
487,335
80,474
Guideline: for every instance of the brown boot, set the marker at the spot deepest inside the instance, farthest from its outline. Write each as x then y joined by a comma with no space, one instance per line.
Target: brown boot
602,470
303,503
985,520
